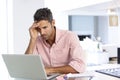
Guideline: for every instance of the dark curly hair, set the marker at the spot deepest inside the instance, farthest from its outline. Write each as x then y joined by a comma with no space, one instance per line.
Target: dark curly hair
43,14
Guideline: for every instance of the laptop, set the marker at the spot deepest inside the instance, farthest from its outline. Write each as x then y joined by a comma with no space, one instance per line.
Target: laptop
26,67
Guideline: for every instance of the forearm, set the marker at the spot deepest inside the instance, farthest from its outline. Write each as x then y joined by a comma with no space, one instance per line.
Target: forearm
30,47
63,70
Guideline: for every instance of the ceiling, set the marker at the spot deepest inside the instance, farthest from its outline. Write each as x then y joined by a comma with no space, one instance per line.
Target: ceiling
63,5
92,7
100,7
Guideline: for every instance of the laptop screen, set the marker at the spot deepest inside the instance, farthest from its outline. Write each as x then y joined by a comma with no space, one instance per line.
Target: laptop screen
24,66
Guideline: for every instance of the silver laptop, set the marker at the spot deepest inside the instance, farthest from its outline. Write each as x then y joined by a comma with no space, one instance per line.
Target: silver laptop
26,67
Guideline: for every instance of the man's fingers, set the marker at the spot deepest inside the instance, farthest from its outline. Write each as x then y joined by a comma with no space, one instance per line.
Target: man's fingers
34,25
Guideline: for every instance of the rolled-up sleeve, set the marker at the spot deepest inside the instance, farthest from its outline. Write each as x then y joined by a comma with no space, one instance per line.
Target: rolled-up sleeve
77,60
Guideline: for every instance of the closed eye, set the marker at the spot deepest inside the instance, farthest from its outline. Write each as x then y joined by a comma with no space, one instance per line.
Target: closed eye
44,27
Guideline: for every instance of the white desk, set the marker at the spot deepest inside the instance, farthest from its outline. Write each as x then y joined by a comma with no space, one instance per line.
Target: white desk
100,76
97,76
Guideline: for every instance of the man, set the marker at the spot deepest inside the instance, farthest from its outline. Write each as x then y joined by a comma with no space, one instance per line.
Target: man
60,49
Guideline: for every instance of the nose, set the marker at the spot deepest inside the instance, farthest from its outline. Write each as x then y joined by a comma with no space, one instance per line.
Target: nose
42,32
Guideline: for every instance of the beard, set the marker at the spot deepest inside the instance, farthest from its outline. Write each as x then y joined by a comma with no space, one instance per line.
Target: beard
45,37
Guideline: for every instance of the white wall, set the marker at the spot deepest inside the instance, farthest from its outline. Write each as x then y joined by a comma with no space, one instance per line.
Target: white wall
23,11
5,11
82,24
111,33
61,20
102,28
16,16
119,27
3,27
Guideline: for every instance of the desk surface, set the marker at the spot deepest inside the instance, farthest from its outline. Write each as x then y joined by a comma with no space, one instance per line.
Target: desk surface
97,76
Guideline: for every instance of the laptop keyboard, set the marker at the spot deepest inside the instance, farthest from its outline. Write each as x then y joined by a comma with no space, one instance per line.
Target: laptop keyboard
112,72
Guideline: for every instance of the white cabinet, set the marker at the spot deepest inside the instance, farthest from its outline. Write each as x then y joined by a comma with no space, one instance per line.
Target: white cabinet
111,49
95,58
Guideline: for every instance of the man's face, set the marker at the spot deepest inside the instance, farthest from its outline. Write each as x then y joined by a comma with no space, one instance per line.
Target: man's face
45,28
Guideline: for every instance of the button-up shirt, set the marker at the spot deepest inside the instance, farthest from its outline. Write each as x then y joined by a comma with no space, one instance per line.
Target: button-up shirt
65,51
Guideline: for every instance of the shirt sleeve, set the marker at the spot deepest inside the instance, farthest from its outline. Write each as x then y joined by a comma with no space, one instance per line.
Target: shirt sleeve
77,60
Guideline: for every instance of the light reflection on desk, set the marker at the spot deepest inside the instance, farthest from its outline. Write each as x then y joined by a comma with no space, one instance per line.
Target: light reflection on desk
79,79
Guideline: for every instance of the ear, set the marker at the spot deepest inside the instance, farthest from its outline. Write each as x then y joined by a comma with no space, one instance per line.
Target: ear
53,22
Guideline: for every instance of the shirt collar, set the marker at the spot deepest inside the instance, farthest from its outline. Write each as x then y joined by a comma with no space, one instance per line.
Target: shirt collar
57,35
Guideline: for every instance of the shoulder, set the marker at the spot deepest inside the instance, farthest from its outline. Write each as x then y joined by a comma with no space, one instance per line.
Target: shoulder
66,32
71,34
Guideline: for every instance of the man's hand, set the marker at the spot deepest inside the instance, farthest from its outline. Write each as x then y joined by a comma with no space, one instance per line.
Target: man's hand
48,70
33,34
62,69
33,31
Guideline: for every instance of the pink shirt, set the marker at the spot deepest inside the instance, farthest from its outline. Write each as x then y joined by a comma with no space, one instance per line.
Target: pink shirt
65,51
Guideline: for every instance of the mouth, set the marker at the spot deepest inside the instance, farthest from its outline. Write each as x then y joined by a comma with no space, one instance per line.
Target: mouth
44,36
